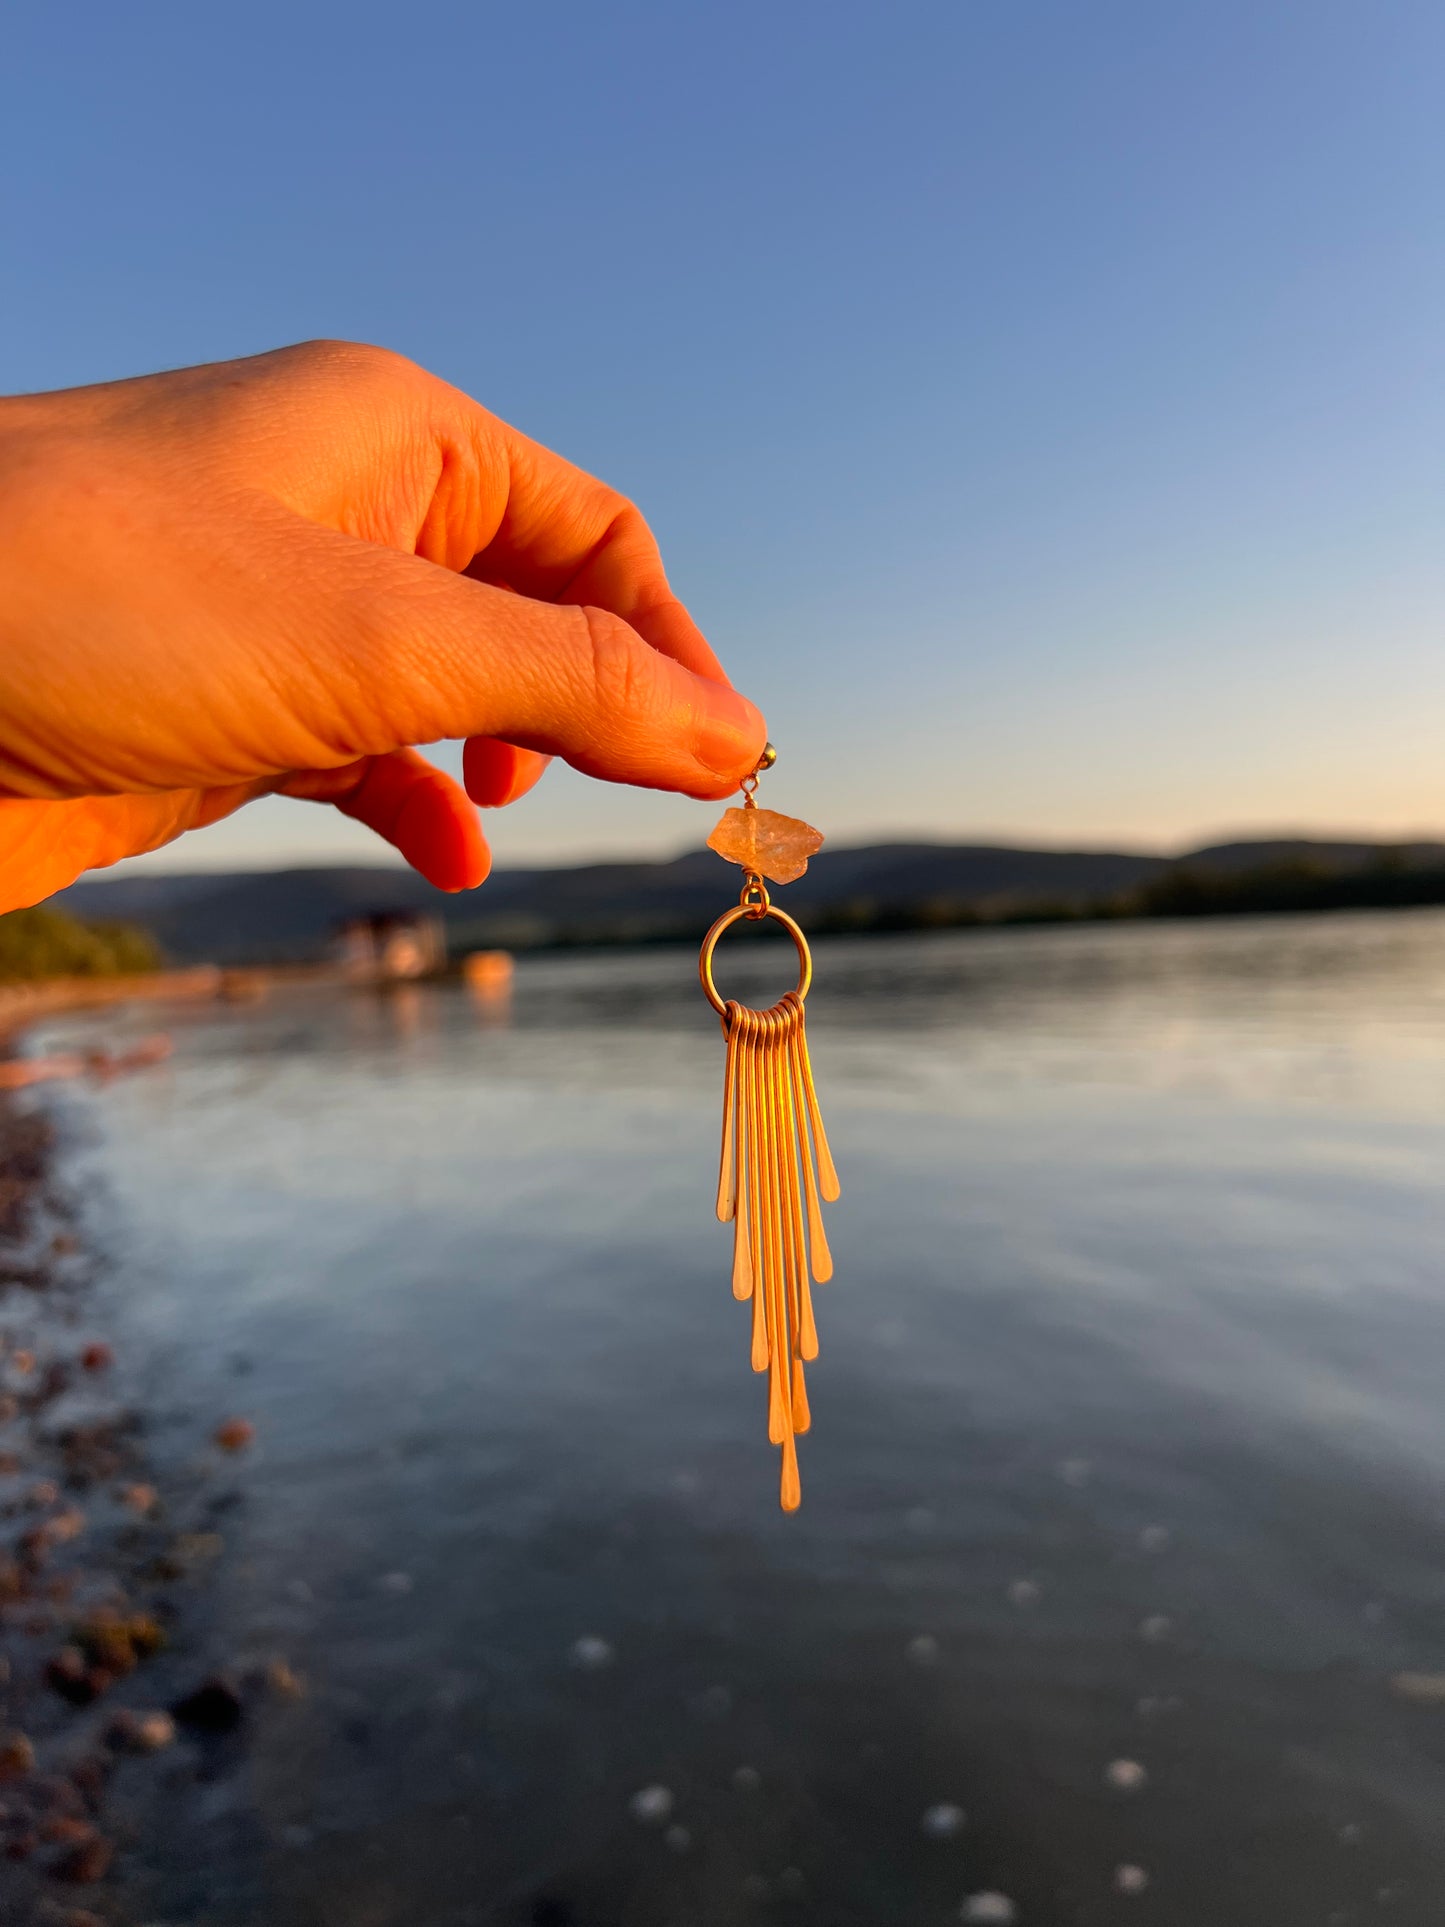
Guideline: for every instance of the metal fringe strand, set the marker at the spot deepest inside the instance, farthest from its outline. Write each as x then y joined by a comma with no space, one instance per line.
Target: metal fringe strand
775,1167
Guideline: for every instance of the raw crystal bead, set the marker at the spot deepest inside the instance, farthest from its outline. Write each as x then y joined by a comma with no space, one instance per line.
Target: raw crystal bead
772,846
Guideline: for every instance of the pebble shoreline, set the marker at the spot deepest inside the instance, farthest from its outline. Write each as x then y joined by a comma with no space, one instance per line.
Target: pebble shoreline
103,1664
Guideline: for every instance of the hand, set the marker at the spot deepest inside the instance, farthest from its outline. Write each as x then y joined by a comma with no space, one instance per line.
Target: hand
277,575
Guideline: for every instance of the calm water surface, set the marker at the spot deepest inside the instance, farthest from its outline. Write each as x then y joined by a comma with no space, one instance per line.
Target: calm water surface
1128,1444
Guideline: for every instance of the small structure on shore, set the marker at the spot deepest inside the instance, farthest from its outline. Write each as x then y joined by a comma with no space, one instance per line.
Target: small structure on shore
388,946
488,973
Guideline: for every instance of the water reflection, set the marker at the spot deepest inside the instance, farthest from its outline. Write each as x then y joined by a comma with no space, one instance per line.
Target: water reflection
1124,1498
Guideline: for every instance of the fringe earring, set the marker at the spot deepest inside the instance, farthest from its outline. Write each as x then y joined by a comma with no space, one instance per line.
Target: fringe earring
775,1166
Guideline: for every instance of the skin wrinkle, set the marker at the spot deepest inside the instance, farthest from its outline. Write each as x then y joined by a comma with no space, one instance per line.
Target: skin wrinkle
404,511
448,531
433,536
614,672
609,533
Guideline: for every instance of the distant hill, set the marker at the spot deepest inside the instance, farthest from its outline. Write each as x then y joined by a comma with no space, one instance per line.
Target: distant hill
278,916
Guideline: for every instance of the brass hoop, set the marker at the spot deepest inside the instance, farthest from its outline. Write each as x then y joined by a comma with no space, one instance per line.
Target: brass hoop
725,922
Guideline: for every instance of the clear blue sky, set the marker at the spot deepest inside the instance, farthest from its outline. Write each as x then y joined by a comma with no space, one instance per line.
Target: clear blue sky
1042,406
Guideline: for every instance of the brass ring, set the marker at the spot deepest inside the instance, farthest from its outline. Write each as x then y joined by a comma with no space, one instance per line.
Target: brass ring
725,922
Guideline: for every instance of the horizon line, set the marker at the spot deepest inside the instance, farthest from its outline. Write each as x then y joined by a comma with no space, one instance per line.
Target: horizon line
386,865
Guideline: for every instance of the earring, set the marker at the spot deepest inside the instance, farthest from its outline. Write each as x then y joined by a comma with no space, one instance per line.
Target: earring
775,1165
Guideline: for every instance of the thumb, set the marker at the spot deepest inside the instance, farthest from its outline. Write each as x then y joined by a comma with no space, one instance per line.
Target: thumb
420,654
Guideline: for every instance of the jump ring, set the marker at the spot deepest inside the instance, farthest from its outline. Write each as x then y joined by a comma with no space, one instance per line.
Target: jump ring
725,922
754,898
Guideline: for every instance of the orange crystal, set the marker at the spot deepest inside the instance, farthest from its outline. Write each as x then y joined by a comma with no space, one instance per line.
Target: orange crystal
772,846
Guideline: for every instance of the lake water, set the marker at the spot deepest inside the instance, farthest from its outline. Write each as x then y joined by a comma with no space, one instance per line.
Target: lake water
1124,1502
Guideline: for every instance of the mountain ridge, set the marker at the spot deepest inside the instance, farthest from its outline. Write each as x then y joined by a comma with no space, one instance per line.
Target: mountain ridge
271,916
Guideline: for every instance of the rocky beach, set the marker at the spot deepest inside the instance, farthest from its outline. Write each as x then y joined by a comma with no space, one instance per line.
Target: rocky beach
111,1702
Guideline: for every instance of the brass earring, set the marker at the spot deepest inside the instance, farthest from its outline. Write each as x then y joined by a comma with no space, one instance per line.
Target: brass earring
775,1165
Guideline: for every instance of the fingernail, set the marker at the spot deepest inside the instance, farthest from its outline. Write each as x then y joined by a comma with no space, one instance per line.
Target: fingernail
730,737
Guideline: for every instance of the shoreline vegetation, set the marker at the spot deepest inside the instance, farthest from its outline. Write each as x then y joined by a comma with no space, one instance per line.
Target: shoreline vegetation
1276,889
43,943
1289,887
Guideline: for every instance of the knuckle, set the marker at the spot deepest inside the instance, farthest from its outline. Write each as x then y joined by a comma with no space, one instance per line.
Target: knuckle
623,668
358,361
630,531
